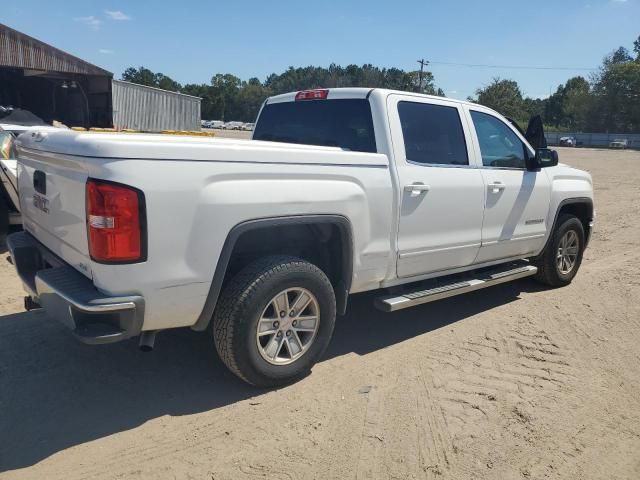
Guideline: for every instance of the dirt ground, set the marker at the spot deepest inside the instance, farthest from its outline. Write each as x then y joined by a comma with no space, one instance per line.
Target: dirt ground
229,133
507,383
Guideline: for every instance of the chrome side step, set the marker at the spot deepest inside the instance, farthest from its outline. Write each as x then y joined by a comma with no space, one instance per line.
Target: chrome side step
483,279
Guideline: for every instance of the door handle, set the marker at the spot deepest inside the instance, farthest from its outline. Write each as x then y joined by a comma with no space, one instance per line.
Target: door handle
496,187
416,189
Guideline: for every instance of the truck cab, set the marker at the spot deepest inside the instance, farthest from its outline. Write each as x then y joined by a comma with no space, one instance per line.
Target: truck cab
469,188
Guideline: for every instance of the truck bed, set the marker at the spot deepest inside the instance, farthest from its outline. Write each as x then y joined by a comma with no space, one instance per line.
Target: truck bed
196,190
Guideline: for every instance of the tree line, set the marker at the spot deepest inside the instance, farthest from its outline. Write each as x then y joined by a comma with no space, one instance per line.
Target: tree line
608,101
227,97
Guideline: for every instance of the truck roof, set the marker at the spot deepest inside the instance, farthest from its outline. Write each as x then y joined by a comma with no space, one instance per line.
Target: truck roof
356,92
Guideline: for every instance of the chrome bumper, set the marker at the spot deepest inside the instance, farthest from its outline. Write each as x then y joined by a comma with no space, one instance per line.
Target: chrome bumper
68,296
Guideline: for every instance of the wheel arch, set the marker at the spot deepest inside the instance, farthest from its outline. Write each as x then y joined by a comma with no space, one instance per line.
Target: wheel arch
581,207
237,236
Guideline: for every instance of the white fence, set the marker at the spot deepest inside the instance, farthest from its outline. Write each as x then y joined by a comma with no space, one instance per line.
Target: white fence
598,140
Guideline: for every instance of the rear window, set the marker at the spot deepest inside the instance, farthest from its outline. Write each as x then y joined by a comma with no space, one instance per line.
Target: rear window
432,134
344,123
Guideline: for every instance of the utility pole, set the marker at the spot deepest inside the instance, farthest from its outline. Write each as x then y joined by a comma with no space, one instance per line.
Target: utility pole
422,63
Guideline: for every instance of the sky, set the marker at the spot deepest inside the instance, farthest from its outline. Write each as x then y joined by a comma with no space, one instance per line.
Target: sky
192,41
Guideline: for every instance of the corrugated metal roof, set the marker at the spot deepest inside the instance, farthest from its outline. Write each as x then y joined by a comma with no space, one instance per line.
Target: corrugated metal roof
22,51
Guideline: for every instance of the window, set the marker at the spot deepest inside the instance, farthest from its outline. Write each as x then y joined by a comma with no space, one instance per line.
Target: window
499,145
344,123
432,134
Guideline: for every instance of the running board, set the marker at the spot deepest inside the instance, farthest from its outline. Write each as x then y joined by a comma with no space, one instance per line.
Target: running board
483,279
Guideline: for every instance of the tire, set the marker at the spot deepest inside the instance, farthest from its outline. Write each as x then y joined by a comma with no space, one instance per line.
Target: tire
549,267
4,220
249,300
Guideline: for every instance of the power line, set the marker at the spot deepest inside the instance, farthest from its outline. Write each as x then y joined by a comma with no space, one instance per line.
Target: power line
519,67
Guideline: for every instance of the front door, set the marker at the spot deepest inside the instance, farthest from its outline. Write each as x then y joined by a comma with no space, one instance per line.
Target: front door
517,200
441,194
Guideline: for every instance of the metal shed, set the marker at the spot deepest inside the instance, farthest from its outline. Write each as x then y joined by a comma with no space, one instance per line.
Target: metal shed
152,109
51,83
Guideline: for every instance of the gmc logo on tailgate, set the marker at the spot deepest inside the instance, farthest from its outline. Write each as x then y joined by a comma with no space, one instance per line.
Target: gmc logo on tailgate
41,203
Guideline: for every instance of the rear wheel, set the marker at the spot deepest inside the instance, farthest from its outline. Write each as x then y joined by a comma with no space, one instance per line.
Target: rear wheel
274,320
562,257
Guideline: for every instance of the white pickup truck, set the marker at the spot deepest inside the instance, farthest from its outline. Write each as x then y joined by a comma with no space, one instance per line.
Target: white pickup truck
340,191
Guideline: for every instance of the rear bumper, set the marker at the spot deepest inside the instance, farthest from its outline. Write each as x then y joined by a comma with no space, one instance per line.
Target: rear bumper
68,296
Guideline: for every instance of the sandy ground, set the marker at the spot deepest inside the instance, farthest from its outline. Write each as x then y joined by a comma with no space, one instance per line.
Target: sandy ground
507,383
229,133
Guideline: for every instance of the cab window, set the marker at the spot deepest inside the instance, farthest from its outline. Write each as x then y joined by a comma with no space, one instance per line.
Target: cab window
499,145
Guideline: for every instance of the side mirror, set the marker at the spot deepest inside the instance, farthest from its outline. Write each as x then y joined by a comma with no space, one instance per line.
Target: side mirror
544,158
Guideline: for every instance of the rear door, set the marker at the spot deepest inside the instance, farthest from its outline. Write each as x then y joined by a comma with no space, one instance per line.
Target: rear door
442,195
517,200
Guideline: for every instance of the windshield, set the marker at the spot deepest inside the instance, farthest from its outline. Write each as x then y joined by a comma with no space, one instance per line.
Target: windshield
344,123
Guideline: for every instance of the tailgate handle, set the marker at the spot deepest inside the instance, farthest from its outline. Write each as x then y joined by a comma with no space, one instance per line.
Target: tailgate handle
40,182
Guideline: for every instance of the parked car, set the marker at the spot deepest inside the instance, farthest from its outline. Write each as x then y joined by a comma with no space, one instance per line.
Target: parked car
233,126
9,203
568,142
341,191
248,127
13,122
217,124
622,143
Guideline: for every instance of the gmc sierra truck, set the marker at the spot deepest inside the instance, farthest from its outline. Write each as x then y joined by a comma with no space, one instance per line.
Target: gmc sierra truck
340,191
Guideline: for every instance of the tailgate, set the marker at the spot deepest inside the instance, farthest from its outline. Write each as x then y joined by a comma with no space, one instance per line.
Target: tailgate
52,199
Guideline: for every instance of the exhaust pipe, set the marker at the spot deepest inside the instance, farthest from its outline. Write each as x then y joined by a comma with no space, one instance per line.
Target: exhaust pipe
30,304
147,340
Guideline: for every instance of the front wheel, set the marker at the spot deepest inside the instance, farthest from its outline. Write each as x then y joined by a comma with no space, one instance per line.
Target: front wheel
274,320
562,257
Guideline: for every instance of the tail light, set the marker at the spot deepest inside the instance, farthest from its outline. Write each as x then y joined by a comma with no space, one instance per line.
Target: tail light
115,222
312,95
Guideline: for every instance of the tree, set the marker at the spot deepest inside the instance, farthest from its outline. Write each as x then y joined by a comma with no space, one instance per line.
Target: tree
576,103
621,55
227,87
166,83
144,76
503,96
250,97
570,105
212,104
636,48
533,107
141,76
366,75
617,88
